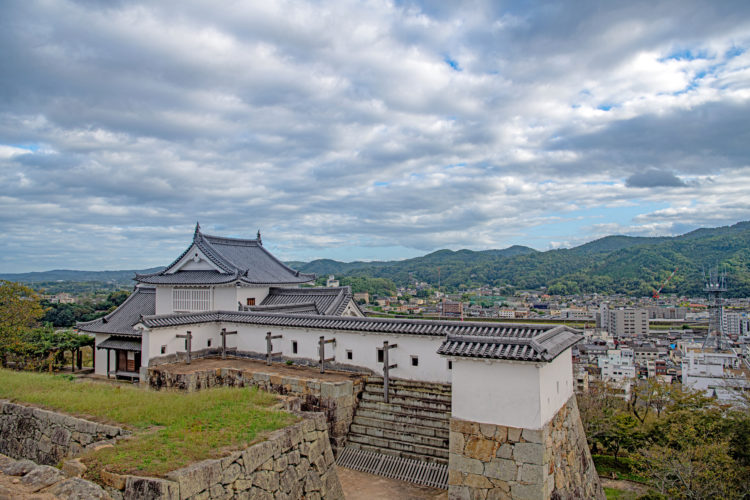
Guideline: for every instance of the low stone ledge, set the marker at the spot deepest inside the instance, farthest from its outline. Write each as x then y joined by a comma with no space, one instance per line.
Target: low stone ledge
47,437
293,462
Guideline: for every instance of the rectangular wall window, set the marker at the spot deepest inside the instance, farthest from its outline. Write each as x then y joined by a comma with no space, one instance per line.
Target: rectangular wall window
294,347
251,301
380,355
415,361
349,355
191,299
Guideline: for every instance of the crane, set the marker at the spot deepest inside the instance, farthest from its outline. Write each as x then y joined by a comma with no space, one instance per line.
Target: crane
657,292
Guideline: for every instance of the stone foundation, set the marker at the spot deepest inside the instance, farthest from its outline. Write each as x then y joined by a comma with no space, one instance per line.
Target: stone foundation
47,437
489,461
295,462
337,400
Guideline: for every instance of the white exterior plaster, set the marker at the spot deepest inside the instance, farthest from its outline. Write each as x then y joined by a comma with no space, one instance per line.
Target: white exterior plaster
188,262
431,367
101,355
245,292
163,300
225,298
511,393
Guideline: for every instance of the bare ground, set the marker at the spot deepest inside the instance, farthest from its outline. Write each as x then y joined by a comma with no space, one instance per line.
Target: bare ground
362,486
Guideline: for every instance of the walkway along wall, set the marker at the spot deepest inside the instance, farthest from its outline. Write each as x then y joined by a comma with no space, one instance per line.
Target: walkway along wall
337,400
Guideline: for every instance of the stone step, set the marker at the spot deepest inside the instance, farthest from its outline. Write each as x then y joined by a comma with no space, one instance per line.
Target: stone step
416,428
407,393
402,418
398,448
410,384
396,453
404,409
406,435
427,404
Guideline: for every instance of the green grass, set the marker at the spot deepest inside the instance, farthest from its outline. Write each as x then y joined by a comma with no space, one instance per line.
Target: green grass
615,494
171,429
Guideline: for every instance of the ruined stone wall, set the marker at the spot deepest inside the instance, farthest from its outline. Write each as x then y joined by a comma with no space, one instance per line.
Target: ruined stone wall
489,461
337,400
295,462
47,437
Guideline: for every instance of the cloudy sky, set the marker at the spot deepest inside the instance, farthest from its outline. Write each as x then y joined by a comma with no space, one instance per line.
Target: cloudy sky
365,130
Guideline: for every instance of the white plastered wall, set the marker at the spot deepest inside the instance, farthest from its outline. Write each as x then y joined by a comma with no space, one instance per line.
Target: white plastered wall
431,367
243,293
511,393
101,355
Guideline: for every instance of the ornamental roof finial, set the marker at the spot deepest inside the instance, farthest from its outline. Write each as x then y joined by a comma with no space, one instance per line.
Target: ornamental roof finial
260,242
197,229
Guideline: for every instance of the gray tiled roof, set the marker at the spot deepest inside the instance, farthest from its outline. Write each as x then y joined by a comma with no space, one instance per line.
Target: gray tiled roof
238,260
515,342
120,321
544,342
295,308
328,301
121,343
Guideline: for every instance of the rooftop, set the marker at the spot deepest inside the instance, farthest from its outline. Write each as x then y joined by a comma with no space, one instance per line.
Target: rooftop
236,260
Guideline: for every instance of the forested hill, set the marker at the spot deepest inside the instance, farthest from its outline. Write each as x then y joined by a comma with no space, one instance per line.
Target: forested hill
613,264
119,277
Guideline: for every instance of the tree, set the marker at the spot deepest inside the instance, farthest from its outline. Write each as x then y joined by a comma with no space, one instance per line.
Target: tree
19,311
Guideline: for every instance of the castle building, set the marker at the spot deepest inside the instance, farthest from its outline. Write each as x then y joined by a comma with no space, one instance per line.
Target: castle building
511,384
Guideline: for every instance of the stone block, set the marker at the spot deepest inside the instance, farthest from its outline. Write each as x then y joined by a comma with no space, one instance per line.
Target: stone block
217,491
526,491
196,477
76,487
530,474
231,473
280,463
267,480
461,463
487,430
505,451
287,479
514,434
499,468
456,442
477,481
459,493
498,494
258,454
533,435
242,485
137,488
112,480
73,467
41,477
293,457
479,448
529,453
464,426
501,434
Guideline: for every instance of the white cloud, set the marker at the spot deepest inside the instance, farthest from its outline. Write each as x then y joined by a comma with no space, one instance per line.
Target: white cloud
344,124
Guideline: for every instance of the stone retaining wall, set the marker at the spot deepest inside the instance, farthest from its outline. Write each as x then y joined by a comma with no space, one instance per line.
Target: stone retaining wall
337,400
489,461
295,462
47,437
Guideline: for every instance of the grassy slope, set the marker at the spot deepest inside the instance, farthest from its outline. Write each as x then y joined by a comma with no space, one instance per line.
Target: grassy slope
171,429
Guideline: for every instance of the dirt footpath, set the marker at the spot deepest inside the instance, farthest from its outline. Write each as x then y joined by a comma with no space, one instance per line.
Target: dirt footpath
253,366
362,486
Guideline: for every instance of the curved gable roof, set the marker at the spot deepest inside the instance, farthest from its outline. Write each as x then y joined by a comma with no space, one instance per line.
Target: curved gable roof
238,259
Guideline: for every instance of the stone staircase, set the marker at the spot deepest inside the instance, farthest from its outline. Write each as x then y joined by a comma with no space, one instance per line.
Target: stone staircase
414,424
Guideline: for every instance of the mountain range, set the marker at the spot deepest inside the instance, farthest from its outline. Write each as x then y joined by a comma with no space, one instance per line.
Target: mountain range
613,264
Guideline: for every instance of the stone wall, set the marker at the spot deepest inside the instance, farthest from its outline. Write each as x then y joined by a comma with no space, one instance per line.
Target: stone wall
489,461
337,400
47,437
295,462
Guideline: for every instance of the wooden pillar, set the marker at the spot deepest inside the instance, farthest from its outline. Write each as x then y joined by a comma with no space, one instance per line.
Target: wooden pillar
108,355
188,336
387,367
269,347
322,351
